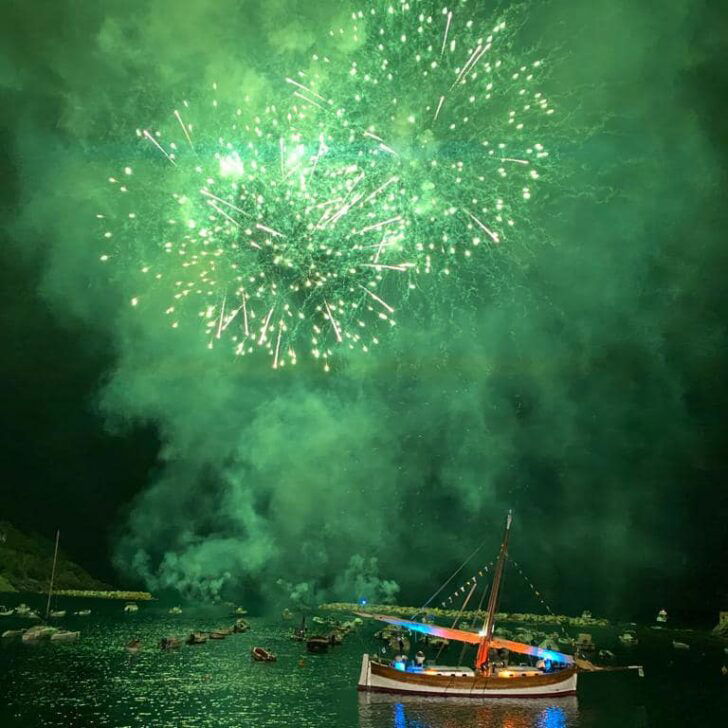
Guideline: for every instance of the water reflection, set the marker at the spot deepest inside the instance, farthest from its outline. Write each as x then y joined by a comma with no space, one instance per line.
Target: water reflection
378,710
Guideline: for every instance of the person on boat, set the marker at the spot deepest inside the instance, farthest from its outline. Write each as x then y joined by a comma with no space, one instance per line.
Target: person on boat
420,658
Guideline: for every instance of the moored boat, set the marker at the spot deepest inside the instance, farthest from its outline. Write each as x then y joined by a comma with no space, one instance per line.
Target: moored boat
64,635
554,674
196,638
262,655
240,626
170,643
318,644
131,607
57,613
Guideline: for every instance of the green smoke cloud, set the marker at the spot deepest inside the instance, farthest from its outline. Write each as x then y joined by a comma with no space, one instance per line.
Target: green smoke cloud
570,386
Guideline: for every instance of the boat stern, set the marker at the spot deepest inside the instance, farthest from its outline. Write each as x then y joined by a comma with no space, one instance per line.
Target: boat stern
365,675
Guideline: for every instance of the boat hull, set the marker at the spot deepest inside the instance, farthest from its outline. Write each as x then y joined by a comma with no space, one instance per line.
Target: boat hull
376,677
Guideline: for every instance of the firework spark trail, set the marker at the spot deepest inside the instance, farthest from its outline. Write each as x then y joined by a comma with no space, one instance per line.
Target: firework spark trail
325,207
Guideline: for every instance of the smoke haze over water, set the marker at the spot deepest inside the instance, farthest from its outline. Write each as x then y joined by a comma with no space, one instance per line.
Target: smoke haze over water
582,392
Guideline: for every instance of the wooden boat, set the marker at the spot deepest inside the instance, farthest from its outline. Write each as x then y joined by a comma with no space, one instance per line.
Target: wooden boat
64,635
218,634
82,613
131,607
196,638
261,655
5,612
40,632
318,644
11,633
175,610
133,646
58,613
287,614
554,675
240,626
661,617
628,639
170,643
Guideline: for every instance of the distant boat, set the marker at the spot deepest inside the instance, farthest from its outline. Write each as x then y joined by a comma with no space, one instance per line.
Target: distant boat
39,632
131,607
661,617
261,655
11,633
318,644
240,626
5,612
58,613
554,675
629,639
64,636
133,646
170,643
287,614
196,638
240,611
680,645
175,610
217,635
82,613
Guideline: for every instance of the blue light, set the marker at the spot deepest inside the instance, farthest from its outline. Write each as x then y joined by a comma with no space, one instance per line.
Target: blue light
399,666
362,601
552,717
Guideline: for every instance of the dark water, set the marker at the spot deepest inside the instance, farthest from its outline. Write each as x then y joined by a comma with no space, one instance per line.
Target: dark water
94,682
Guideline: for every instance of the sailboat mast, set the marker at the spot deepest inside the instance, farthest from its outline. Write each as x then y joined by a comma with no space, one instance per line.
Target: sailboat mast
53,574
487,633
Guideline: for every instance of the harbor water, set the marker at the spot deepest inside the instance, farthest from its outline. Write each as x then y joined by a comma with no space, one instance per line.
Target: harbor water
96,682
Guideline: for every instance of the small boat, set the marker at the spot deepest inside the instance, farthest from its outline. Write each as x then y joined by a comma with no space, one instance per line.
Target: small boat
175,610
261,655
240,612
82,613
240,626
196,638
5,612
12,633
584,642
131,607
133,646
58,613
287,614
318,644
680,645
170,643
628,639
23,610
217,635
40,632
336,637
661,617
64,635
319,620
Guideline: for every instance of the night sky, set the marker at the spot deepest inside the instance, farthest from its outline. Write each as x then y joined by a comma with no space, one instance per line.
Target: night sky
582,385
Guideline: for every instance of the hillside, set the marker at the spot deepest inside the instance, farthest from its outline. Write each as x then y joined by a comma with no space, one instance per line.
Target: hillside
26,561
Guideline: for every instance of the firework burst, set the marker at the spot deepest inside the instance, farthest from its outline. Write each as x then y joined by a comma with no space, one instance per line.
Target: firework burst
413,146
278,234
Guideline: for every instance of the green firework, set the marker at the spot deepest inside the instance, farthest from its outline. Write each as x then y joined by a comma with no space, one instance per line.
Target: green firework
409,150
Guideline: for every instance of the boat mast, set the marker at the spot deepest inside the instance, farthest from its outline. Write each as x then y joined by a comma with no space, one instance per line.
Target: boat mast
53,574
481,658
